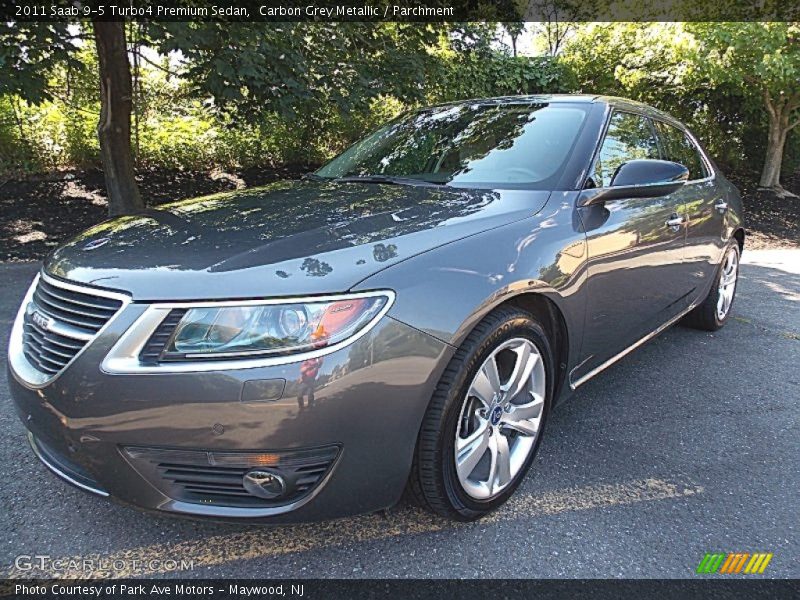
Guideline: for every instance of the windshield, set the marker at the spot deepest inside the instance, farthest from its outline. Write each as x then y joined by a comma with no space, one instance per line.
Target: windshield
469,145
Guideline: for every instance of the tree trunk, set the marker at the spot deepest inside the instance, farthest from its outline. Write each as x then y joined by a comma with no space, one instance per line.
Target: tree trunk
114,127
776,140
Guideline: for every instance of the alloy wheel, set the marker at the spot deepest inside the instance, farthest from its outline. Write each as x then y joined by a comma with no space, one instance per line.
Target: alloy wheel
727,283
500,418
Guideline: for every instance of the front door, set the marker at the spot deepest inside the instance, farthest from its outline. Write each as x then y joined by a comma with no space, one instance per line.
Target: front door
636,275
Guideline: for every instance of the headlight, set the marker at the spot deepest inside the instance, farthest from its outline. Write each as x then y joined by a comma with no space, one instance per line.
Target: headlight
268,329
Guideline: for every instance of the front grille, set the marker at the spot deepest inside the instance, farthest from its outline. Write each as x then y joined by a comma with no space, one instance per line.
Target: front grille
70,320
216,478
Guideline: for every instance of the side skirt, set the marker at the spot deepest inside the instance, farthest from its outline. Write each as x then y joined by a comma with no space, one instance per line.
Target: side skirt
577,383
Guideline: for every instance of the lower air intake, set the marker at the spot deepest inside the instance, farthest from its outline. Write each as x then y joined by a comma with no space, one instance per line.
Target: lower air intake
217,478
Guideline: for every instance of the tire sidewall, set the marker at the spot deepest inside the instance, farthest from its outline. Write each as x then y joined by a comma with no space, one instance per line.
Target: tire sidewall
518,326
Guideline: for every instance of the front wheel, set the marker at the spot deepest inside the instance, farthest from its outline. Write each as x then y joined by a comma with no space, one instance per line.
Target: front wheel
482,429
714,311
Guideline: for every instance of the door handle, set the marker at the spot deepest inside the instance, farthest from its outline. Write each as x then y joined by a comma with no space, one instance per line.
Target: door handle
721,206
675,222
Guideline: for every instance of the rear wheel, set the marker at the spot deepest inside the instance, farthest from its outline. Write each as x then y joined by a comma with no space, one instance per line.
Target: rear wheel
482,429
714,311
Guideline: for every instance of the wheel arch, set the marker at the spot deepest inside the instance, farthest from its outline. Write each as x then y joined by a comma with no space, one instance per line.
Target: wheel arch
555,325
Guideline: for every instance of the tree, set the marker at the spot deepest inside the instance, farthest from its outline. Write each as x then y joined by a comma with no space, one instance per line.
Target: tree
764,60
29,52
658,63
514,29
301,68
114,126
557,20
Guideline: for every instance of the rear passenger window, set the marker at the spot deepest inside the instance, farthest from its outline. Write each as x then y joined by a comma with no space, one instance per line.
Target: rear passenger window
680,149
629,137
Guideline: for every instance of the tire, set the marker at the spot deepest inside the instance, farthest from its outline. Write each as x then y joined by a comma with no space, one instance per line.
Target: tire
436,483
708,315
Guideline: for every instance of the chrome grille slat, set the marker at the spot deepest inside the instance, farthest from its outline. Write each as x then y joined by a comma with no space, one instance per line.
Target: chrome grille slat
54,348
42,367
87,299
54,357
72,310
53,338
89,325
43,298
42,359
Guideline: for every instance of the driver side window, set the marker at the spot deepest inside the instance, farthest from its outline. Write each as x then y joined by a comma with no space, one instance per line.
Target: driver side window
629,137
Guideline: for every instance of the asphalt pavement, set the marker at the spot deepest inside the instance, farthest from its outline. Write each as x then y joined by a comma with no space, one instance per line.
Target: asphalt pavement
689,445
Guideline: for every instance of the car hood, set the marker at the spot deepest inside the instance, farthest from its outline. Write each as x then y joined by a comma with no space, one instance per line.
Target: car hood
284,239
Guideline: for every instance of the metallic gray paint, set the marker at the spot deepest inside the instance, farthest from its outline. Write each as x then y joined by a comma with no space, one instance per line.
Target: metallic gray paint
614,272
285,239
369,396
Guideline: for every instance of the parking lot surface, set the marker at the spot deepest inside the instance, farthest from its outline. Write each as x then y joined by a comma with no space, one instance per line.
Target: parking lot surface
689,445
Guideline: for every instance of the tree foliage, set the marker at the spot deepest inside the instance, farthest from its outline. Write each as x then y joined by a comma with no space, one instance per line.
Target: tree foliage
713,76
250,94
29,52
763,59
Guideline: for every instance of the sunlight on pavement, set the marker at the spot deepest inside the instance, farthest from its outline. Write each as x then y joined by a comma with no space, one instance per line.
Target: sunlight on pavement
263,542
787,259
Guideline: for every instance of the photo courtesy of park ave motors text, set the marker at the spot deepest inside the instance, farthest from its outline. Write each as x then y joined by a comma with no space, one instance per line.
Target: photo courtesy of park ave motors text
387,299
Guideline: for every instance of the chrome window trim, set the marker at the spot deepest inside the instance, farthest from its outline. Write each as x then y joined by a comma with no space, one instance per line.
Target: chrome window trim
27,374
123,358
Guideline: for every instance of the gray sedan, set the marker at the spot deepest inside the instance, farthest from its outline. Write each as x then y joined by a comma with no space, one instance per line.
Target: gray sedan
404,319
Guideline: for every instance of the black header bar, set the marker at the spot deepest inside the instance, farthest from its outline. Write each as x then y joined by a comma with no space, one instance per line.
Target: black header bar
400,10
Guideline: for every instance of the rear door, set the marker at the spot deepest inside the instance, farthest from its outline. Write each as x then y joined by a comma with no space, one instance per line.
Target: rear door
703,203
637,279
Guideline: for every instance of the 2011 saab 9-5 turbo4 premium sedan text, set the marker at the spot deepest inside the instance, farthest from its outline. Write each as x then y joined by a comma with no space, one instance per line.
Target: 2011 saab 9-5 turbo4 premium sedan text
405,318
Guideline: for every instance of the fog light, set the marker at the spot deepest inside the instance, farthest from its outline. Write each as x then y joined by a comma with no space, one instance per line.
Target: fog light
264,483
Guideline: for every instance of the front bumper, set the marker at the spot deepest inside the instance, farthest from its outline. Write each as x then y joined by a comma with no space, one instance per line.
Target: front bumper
368,401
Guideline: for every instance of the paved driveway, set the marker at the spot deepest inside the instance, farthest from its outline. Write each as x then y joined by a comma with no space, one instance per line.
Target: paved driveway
690,445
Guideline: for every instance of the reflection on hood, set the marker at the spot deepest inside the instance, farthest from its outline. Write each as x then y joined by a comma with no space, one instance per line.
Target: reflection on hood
302,229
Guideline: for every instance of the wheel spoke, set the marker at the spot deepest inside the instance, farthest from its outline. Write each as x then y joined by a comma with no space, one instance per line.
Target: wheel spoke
471,450
486,383
521,374
500,468
531,410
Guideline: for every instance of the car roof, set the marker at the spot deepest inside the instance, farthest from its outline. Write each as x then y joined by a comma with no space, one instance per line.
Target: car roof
613,101
524,99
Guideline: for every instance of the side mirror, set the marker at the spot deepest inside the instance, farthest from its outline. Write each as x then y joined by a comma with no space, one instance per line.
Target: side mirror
641,178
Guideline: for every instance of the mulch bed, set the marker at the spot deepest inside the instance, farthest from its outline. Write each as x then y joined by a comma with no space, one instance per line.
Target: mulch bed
40,213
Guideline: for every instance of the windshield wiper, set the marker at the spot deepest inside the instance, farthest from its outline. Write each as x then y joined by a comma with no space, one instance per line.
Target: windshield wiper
315,177
385,179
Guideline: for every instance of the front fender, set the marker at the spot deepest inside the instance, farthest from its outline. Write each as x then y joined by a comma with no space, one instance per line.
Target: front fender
447,291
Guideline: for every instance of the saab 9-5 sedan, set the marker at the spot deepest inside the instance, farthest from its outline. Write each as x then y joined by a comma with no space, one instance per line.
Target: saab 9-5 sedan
404,318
